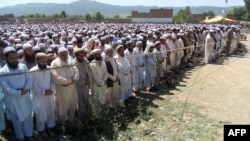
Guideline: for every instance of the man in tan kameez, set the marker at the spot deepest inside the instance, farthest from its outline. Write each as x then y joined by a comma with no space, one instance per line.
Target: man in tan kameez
65,76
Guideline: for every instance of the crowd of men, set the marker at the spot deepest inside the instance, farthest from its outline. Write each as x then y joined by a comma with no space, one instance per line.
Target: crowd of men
50,70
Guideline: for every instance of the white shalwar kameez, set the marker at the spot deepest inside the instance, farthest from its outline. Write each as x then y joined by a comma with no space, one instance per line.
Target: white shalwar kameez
44,105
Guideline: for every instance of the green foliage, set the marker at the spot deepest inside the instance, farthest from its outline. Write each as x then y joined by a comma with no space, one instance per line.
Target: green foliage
239,13
87,17
63,14
99,17
117,16
183,16
247,5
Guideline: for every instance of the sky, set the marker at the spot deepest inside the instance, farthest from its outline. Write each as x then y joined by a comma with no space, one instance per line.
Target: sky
160,3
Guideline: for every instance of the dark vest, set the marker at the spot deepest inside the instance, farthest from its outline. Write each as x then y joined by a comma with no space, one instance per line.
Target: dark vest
110,71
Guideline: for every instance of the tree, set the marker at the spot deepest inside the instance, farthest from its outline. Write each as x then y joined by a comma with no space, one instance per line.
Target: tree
240,13
247,8
247,5
183,16
117,16
63,14
87,17
209,13
99,17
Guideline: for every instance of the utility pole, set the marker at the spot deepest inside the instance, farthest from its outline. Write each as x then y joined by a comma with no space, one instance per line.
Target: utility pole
226,8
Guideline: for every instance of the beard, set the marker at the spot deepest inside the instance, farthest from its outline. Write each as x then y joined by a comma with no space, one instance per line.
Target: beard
130,49
29,58
79,60
12,65
42,67
98,58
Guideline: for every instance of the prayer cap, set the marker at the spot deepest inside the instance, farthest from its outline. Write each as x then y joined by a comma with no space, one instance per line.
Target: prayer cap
27,45
95,51
41,55
62,49
8,49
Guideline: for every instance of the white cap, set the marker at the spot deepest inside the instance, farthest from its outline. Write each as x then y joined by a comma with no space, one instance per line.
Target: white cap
95,51
62,49
8,49
27,45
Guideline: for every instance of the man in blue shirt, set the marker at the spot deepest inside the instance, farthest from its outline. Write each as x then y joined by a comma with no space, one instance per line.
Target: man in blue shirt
16,83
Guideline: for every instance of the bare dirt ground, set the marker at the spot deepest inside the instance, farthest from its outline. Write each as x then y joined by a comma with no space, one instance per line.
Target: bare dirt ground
222,89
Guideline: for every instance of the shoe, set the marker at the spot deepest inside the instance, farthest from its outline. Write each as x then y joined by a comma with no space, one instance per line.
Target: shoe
50,133
43,134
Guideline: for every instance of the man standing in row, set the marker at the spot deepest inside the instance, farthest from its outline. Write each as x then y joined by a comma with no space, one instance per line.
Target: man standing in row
83,84
65,76
42,94
99,74
17,99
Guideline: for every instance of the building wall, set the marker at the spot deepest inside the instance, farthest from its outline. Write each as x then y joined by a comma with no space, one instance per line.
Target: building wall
196,18
154,16
152,20
118,20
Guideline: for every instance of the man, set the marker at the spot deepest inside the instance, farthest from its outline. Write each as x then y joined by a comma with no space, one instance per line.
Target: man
131,56
29,56
17,99
140,63
83,84
150,67
65,76
42,94
2,63
112,80
124,72
209,46
160,60
99,75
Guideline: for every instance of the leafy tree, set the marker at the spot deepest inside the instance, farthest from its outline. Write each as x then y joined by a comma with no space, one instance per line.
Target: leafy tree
183,16
240,13
247,8
63,14
247,5
99,17
55,16
116,16
87,17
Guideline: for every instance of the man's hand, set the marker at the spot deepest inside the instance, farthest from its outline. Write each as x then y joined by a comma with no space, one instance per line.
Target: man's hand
73,81
87,83
142,65
48,92
24,91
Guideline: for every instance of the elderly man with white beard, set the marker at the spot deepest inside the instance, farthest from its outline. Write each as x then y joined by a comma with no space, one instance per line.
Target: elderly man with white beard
124,73
131,56
42,94
65,76
113,93
140,64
